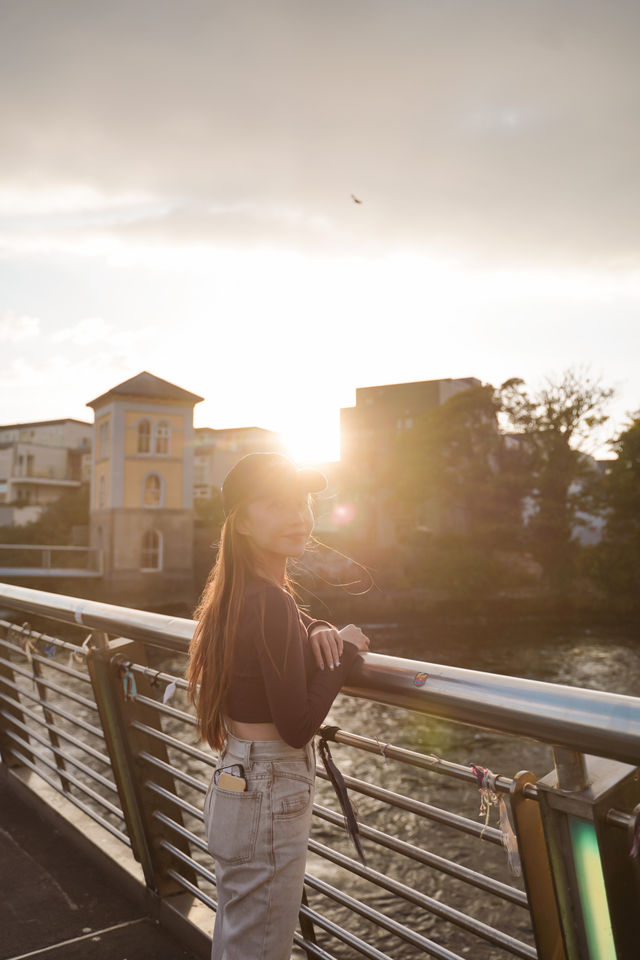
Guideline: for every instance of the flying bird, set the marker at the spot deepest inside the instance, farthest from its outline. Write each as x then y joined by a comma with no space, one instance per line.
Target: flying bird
355,199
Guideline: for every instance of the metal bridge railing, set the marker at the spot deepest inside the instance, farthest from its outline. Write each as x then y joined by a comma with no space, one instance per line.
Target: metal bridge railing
105,730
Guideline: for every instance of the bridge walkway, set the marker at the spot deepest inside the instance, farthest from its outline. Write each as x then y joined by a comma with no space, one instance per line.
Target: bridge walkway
56,904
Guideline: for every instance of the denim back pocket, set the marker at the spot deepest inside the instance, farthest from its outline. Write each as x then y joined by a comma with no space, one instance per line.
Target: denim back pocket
232,824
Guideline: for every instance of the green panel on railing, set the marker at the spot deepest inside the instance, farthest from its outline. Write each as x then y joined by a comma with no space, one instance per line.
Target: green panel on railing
593,896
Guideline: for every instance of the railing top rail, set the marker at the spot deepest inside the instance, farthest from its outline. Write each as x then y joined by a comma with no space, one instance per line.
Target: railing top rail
588,721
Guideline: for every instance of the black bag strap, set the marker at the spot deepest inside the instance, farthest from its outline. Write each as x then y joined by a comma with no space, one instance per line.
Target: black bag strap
324,734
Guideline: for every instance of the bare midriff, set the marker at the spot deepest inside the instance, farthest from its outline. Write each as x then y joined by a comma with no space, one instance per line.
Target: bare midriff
252,731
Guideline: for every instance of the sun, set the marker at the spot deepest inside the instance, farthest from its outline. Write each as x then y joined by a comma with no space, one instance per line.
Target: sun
311,440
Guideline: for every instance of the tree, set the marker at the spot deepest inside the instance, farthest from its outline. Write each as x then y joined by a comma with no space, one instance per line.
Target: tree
55,523
619,552
455,460
554,425
208,510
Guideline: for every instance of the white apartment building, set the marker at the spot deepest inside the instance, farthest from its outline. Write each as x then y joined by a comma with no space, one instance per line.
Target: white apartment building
38,461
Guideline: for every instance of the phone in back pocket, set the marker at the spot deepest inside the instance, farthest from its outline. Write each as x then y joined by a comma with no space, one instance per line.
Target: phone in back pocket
231,777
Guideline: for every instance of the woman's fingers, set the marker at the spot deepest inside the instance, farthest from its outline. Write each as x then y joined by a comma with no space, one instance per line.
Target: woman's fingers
327,647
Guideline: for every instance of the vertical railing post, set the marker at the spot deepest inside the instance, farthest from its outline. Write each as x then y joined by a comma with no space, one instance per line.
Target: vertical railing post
12,708
124,745
536,870
593,872
50,722
101,673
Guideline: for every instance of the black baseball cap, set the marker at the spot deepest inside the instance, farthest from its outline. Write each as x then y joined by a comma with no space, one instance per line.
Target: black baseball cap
258,474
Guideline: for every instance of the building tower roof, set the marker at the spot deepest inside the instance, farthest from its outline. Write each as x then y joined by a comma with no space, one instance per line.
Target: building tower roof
147,385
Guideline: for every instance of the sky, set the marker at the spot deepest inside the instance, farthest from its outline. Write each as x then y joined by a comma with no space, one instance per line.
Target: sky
177,184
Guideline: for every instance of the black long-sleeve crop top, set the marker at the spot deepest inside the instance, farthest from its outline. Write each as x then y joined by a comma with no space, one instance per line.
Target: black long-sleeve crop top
277,679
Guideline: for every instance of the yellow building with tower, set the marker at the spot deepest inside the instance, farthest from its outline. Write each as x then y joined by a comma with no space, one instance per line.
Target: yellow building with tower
141,514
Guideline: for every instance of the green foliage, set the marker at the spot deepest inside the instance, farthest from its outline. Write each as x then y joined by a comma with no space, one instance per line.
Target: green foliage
552,424
456,567
208,510
54,525
455,460
616,560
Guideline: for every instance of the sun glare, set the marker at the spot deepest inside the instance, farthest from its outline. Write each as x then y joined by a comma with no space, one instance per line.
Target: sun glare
312,442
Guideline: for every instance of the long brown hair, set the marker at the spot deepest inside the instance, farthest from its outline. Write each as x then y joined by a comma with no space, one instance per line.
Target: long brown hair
218,614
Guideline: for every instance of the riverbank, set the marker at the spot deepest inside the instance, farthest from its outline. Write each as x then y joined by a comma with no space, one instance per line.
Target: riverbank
418,605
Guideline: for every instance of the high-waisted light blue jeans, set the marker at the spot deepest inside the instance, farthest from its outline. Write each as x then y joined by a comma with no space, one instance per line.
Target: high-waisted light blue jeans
258,839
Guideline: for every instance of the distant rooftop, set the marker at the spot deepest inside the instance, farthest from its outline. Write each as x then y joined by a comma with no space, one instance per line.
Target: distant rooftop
147,385
219,430
415,383
43,423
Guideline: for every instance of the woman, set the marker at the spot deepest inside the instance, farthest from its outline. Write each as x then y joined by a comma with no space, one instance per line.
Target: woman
263,692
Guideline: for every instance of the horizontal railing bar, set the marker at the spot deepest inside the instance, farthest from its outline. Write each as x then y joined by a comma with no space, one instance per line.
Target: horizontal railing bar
423,900
14,628
617,818
422,809
47,661
191,887
102,757
202,871
309,947
450,867
61,753
178,828
50,706
74,800
159,675
178,774
174,798
165,708
186,859
157,629
330,926
28,675
381,920
176,744
586,721
67,775
425,761
45,546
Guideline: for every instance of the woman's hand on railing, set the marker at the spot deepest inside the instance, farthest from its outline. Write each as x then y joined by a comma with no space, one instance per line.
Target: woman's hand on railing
326,642
353,634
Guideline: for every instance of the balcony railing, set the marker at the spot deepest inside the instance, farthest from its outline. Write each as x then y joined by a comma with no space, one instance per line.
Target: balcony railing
20,559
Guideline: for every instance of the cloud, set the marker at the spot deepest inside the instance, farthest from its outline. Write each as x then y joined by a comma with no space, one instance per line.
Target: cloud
87,331
14,329
95,330
500,131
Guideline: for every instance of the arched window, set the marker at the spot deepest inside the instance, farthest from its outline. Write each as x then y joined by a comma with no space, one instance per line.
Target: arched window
101,491
151,557
162,437
144,437
152,494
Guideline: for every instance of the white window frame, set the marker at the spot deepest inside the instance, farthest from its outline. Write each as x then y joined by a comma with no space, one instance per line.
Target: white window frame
157,550
141,435
161,490
162,437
